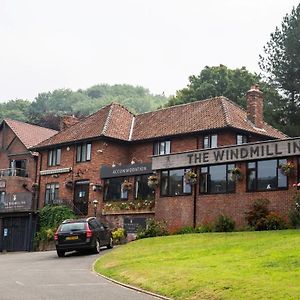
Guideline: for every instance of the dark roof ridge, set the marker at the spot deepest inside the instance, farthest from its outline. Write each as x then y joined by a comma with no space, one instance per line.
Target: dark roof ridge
185,104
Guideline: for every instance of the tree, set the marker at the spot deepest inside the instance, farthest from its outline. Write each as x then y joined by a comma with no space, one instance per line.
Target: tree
233,84
281,66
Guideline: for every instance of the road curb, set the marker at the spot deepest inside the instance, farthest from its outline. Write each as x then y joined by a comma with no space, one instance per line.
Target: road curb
127,285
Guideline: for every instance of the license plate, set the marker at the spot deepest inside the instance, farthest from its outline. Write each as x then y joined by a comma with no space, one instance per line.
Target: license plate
72,238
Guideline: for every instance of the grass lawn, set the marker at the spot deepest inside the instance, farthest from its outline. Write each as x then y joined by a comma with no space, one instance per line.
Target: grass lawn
239,265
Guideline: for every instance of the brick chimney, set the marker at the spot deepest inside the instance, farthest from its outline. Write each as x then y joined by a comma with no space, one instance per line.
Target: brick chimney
255,106
67,121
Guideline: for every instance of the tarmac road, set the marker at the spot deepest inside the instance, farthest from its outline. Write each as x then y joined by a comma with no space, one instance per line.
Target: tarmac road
42,275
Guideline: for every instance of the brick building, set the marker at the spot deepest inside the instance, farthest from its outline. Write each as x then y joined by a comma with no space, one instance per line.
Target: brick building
18,169
107,158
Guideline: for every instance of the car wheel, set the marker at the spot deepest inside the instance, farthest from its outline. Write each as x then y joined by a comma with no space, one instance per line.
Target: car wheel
60,253
97,246
110,245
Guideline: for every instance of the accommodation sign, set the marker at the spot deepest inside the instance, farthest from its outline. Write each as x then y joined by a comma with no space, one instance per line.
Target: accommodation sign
254,151
126,170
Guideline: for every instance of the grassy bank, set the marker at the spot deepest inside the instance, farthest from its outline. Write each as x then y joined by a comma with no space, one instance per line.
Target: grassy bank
240,265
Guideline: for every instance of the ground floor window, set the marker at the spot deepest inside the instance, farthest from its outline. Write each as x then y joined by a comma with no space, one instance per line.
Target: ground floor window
51,194
216,179
113,189
2,199
266,175
173,183
142,190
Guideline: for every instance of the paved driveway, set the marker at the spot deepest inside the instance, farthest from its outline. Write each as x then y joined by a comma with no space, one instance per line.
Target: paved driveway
42,275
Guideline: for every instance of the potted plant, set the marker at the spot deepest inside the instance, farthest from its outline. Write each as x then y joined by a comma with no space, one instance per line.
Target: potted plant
153,181
190,177
35,186
287,169
126,185
236,174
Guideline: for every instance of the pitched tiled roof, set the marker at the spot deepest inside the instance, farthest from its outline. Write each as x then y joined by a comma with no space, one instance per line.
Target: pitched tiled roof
111,121
115,121
30,135
197,116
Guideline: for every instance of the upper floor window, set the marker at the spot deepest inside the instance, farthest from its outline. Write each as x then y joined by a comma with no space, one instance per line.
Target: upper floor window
83,152
142,190
162,147
210,141
51,193
216,179
265,175
113,189
54,157
241,139
173,183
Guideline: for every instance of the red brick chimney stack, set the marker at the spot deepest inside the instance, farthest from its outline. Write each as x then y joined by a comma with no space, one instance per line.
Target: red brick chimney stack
255,106
67,121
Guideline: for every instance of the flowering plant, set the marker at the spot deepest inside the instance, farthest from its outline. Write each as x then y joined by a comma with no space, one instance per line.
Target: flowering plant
153,181
131,205
190,177
126,186
236,174
287,169
297,185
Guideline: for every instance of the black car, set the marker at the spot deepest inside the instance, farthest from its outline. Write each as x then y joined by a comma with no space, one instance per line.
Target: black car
82,234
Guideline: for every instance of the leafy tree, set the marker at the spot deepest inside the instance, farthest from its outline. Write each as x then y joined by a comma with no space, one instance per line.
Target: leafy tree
281,66
233,84
15,109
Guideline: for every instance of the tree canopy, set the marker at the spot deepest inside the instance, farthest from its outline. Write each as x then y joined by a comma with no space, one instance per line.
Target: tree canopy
47,108
281,66
233,84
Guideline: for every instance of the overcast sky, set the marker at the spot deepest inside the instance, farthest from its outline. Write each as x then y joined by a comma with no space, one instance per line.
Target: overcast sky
157,44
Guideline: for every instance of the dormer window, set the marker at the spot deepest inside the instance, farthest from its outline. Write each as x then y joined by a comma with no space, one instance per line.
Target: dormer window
162,147
54,157
241,139
210,141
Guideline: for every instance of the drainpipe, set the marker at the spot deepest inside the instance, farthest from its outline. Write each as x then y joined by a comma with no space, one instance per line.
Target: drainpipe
195,204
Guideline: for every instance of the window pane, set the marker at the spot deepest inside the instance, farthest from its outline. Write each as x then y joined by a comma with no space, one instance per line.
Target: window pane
168,147
164,183
78,152
50,158
214,141
267,175
218,179
282,179
83,152
251,180
142,190
88,151
176,182
230,183
58,156
206,142
112,190
156,148
162,148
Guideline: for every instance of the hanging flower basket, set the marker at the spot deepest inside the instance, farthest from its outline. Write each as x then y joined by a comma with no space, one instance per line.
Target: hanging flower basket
235,174
126,186
153,181
287,169
190,177
35,186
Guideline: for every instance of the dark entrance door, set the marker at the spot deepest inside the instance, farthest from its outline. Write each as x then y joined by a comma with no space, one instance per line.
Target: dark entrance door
14,233
81,197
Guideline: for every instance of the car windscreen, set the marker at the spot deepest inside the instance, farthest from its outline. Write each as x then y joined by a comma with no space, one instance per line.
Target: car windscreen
72,226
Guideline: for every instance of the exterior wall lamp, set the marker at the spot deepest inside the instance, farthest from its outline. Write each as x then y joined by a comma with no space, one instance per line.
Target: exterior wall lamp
95,203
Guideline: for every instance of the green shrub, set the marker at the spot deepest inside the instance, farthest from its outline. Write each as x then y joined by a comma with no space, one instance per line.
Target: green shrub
153,228
119,235
275,222
204,228
294,214
224,224
51,217
256,216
